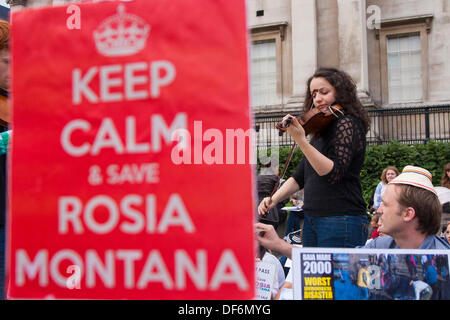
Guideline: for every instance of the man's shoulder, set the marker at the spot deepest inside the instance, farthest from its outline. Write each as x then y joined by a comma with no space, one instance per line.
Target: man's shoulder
384,242
439,243
387,242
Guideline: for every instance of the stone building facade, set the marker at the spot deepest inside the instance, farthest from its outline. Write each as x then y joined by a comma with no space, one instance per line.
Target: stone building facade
397,51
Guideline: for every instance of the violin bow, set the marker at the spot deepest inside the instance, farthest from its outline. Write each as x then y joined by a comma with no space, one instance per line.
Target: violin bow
281,175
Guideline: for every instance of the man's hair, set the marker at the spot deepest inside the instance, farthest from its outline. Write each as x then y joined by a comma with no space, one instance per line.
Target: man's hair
4,34
426,205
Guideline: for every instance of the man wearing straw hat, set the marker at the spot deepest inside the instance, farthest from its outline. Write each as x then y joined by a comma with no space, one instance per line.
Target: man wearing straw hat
410,213
411,216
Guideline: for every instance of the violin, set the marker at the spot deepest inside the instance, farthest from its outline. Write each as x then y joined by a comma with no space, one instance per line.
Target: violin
315,120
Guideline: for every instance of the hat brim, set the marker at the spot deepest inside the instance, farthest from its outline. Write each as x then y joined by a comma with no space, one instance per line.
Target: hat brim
415,184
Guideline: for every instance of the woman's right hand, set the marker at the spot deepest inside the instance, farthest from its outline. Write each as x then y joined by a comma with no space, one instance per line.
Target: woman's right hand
265,205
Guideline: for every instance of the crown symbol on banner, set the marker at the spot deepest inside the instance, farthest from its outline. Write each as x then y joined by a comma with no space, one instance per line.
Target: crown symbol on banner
122,34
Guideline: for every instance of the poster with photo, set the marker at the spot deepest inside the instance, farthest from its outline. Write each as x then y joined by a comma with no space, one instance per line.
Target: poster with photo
370,274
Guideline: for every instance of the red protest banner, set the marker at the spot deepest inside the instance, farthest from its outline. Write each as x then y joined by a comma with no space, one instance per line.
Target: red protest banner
130,168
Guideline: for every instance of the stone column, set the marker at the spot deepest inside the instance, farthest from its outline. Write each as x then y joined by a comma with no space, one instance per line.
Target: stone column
353,44
304,48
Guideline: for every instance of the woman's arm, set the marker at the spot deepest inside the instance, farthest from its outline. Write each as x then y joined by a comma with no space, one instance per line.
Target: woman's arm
320,163
286,190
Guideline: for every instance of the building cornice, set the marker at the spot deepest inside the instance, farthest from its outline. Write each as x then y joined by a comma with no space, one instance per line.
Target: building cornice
274,26
402,21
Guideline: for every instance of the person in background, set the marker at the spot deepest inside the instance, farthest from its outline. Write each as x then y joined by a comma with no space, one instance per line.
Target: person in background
266,182
445,181
374,224
447,232
431,278
295,216
4,123
267,257
363,280
334,209
421,289
387,176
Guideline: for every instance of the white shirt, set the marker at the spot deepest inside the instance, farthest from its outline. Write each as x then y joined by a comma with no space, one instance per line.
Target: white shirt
419,286
279,272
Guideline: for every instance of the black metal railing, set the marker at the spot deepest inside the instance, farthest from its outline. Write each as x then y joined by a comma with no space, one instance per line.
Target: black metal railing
405,125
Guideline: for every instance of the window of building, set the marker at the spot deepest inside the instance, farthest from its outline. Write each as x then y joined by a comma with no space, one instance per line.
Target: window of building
266,69
404,59
264,73
404,65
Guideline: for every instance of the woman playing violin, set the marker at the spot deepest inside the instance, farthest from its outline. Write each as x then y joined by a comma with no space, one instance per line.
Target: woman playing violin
335,211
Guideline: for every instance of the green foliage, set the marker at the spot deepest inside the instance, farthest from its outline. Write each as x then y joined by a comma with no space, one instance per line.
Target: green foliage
380,157
431,156
296,157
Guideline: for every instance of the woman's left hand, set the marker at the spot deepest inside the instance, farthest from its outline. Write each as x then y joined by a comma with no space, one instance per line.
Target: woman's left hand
295,129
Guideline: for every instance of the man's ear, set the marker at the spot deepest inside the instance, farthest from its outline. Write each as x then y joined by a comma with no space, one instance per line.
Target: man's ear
408,214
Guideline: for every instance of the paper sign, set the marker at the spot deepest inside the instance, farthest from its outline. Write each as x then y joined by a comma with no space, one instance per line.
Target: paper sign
370,274
265,277
129,127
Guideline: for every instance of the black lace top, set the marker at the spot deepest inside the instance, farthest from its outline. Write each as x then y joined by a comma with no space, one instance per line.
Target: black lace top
339,192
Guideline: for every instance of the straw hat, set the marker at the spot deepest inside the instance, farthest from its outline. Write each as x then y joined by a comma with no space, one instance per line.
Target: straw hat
415,176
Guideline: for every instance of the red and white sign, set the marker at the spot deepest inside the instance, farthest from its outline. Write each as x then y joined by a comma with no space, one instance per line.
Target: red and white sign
131,176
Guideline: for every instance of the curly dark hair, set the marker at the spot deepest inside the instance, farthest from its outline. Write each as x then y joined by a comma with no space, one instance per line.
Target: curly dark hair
345,93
